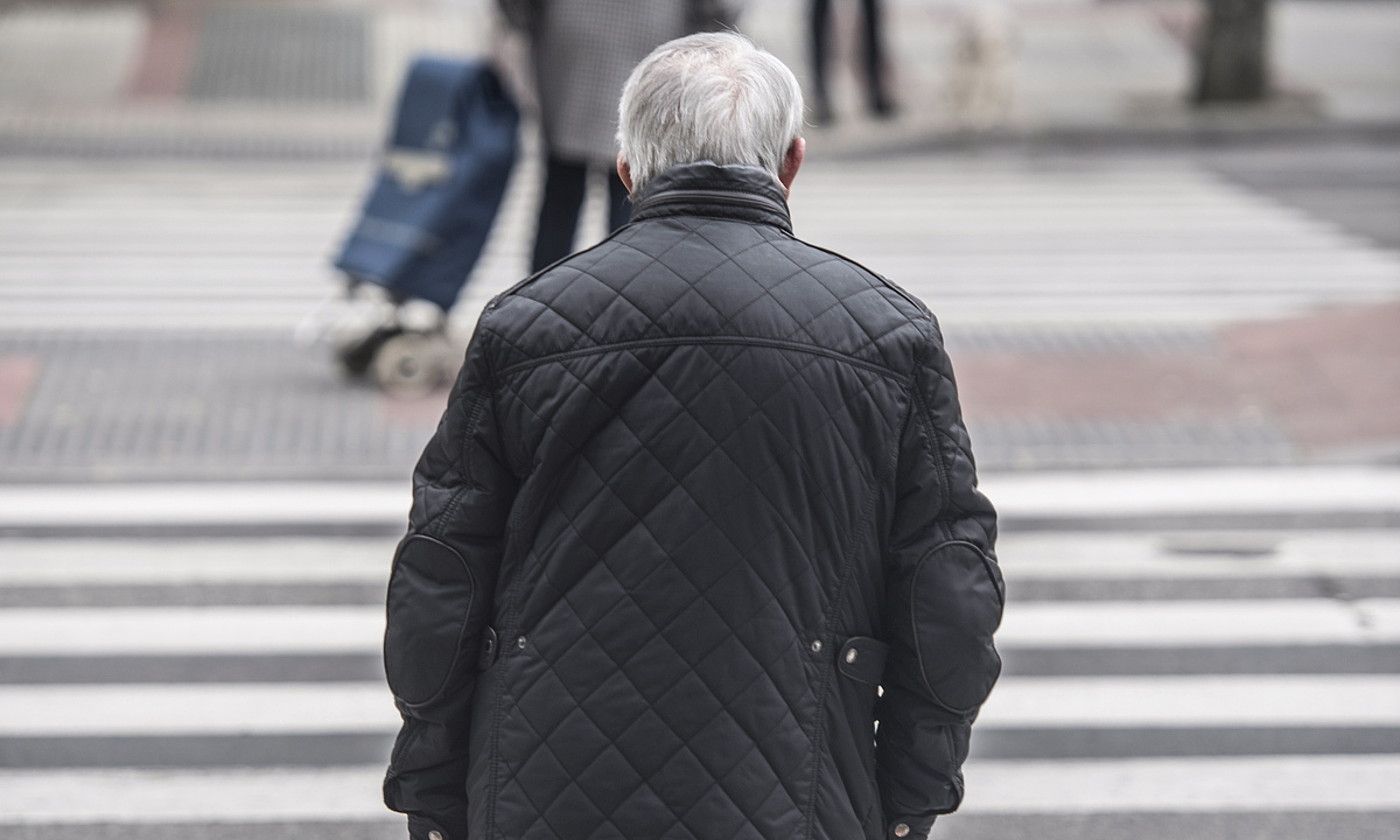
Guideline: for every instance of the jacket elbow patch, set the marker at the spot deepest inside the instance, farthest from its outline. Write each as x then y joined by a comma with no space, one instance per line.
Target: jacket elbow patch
956,605
430,595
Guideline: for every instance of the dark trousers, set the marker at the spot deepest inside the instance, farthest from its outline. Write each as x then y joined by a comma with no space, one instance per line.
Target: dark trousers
873,53
565,182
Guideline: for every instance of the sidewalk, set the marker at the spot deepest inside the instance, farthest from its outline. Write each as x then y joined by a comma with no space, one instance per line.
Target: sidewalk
235,405
299,80
1319,388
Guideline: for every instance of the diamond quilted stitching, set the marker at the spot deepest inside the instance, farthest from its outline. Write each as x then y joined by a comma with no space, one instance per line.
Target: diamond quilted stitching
716,810
579,300
747,786
829,272
650,740
545,744
573,812
588,631
541,709
615,706
623,779
639,812
689,704
548,776
654,266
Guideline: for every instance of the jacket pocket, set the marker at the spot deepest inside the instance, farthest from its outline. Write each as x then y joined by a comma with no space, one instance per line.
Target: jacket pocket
860,664
862,658
431,590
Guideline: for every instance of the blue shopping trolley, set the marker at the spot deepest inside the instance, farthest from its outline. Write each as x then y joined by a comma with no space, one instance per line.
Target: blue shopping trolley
427,216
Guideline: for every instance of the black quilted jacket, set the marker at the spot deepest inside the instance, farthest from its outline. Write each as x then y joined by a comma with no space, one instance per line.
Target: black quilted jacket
697,492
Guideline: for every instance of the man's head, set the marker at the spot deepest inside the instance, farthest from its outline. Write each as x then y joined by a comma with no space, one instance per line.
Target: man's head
714,97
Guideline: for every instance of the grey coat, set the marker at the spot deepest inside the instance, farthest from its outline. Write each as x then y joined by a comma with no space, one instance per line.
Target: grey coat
583,51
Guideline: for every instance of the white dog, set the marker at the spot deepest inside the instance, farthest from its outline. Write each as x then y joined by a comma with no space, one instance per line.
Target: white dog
981,85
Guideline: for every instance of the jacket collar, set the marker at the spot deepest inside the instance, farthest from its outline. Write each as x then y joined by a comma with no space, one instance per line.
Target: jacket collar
733,191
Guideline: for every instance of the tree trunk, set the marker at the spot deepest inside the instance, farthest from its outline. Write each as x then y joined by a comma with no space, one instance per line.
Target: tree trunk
1232,63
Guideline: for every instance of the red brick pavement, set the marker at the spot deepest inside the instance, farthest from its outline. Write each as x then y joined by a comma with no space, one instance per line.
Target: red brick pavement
168,54
1330,380
18,374
1333,378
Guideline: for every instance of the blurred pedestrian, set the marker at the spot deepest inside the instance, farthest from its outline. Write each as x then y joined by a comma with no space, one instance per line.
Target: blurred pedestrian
581,52
872,60
696,493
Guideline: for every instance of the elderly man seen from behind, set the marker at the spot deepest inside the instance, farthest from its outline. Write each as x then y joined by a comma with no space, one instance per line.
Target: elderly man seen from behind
700,512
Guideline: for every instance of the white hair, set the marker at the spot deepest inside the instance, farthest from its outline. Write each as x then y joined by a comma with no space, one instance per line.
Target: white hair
713,96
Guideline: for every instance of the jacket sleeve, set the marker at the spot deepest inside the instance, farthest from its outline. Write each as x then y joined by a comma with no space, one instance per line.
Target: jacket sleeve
944,597
440,601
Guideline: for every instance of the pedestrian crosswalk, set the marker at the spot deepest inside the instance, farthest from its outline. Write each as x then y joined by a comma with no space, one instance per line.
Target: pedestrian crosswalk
1155,686
165,246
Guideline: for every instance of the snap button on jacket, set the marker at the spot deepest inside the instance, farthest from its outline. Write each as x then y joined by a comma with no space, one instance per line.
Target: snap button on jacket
700,512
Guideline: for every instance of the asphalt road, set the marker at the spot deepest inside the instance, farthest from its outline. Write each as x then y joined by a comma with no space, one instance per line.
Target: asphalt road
1354,185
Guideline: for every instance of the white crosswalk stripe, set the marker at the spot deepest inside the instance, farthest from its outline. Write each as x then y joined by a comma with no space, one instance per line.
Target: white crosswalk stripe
1289,700
312,629
249,795
995,787
165,246
1359,490
1199,784
239,741
190,630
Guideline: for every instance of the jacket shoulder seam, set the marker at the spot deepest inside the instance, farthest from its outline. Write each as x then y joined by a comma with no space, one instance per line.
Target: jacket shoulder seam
918,305
543,271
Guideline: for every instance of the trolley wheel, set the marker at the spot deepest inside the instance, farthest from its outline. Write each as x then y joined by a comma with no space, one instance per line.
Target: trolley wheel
412,364
358,355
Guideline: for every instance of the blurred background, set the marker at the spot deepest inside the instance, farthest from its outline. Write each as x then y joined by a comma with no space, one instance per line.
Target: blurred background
1163,239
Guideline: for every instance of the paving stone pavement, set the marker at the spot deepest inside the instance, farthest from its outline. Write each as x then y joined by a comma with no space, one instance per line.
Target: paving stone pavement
226,406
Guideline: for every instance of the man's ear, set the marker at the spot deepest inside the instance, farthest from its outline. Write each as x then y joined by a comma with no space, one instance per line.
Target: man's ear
624,172
792,161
